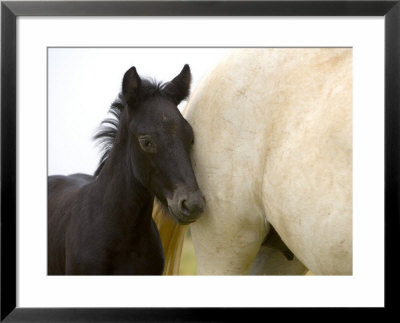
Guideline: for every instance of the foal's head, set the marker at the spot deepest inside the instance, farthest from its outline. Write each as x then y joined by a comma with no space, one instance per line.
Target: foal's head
159,140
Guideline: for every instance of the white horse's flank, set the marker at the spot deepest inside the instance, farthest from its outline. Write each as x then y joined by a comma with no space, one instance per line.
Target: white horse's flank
273,145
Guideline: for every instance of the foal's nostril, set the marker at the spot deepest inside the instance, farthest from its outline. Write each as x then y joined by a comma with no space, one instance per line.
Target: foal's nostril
184,208
191,206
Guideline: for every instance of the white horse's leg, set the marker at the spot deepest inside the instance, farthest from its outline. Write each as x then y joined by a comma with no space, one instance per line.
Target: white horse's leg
229,233
226,248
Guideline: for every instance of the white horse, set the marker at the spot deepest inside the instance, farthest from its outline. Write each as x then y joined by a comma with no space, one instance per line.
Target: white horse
273,147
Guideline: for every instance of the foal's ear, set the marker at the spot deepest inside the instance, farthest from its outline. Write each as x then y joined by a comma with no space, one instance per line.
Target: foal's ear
178,89
130,85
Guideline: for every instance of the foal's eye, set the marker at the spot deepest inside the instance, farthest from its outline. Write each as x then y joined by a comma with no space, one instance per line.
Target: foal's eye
147,144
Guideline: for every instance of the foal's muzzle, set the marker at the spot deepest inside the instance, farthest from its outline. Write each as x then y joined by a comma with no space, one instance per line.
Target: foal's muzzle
186,206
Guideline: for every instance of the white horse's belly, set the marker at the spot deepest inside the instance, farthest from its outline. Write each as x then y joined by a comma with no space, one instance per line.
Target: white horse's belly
270,261
277,148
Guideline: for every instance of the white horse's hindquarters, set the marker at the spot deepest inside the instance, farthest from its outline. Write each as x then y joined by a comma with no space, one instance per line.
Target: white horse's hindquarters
307,189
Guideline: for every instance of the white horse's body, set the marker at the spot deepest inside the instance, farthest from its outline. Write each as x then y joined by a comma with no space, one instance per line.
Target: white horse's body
273,145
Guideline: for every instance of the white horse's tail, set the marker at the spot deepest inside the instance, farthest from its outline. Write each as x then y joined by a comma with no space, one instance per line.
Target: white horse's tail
172,237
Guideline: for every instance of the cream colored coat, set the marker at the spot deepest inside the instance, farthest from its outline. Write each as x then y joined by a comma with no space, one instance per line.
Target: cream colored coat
273,145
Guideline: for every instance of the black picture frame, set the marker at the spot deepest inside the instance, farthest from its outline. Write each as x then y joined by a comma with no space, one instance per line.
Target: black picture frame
10,10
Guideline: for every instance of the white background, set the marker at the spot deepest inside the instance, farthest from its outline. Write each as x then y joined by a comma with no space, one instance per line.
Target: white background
83,82
35,289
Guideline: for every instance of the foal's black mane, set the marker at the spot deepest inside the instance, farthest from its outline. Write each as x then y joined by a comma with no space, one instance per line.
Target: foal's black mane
105,135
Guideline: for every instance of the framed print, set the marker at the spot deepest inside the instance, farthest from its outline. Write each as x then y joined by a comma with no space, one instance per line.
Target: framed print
43,42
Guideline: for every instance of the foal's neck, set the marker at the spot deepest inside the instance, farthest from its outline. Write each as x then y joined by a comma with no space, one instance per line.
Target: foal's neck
123,192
